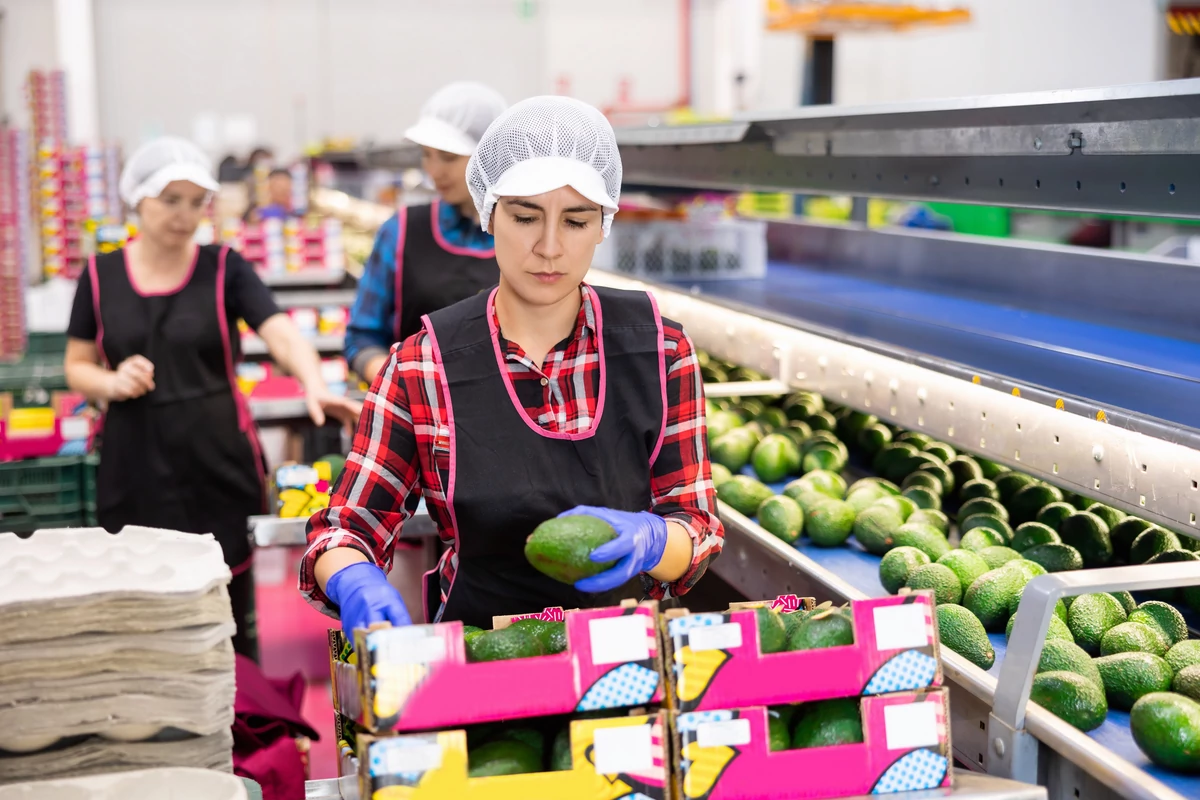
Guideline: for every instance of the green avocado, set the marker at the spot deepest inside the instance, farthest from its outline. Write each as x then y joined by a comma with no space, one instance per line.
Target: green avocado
1126,600
782,517
932,517
1031,534
502,645
897,564
926,480
1063,654
1088,534
923,496
1052,515
720,474
560,751
1010,483
1057,630
777,731
775,457
990,469
1166,726
829,524
1184,654
1187,681
1055,557
1111,516
874,438
825,482
998,556
1091,616
940,579
966,565
978,487
560,547
1129,676
772,634
964,469
829,722
1163,616
721,423
1151,542
830,628
503,757
1030,499
1070,697
961,631
1123,534
927,539
743,494
873,528
732,450
977,539
991,594
988,521
552,636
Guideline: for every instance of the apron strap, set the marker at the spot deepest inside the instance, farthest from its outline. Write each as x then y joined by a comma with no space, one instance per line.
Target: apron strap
94,277
401,231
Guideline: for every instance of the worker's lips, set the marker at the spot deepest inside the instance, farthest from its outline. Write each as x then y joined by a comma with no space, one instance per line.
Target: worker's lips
549,277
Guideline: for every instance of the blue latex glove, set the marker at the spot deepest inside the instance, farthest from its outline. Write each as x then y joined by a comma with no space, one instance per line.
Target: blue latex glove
639,546
364,596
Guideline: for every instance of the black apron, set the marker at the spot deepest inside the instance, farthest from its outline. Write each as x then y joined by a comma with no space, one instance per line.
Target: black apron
186,455
508,475
431,273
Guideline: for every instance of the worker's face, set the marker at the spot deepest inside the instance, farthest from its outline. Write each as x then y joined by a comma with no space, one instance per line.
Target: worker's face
448,172
173,216
544,244
279,190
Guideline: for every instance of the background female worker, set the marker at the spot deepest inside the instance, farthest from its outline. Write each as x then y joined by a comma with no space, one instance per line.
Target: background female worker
545,396
153,340
430,256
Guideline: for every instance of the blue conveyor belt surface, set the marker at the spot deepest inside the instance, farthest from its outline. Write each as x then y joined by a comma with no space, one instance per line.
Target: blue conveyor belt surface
1152,375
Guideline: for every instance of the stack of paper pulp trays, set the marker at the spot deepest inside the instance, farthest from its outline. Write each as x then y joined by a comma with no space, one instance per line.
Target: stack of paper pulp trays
721,685
410,690
14,240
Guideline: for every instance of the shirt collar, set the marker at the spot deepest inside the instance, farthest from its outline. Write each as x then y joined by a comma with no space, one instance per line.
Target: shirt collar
450,218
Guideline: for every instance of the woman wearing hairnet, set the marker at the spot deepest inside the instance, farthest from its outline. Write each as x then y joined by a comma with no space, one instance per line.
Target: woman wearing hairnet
430,256
541,398
153,341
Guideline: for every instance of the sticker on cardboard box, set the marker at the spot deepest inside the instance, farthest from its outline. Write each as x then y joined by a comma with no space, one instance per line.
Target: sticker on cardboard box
73,428
619,640
901,627
715,637
729,733
415,644
911,725
628,749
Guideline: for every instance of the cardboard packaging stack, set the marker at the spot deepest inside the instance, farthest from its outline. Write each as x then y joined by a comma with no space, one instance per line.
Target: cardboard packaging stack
115,653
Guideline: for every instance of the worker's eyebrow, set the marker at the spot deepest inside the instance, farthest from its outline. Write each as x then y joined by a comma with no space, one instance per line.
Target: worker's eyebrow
516,201
580,209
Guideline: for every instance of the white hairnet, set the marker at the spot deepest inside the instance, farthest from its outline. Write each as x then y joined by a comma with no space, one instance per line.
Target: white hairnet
542,144
160,161
456,116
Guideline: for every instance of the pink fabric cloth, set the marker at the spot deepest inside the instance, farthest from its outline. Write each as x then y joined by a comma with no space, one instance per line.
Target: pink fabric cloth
266,723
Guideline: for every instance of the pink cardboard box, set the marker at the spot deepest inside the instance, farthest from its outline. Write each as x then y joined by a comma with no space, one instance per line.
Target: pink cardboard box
716,662
725,755
418,677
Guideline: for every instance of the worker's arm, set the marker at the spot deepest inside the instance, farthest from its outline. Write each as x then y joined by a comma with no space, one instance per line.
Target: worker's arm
371,329
681,486
368,503
132,378
294,353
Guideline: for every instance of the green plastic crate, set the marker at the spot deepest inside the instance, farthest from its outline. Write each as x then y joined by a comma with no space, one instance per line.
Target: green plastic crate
50,487
28,523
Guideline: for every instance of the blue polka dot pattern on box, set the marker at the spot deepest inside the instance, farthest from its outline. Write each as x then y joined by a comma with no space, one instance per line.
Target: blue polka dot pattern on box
920,769
693,720
627,685
911,669
636,796
678,627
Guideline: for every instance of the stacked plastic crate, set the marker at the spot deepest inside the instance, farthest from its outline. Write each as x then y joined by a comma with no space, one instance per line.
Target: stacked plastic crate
14,240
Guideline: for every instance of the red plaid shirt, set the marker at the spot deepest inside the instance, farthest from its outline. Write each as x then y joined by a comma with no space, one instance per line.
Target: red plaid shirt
394,460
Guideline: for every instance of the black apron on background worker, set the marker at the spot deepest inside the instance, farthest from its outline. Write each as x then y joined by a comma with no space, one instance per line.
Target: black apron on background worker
546,474
431,273
191,442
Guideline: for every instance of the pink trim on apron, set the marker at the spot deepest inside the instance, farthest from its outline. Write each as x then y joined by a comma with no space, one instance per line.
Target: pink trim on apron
245,420
512,393
450,248
401,230
662,378
437,359
96,309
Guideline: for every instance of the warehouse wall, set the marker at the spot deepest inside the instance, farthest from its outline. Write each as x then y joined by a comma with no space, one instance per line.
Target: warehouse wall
26,42
1010,46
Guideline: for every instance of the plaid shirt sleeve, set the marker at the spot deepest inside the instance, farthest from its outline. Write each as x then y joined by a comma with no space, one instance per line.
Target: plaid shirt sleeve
369,502
372,325
681,484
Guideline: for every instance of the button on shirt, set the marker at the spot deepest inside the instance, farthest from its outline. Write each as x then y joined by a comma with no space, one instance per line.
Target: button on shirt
406,413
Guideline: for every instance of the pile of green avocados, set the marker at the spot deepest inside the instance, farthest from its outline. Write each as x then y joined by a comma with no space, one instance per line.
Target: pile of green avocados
541,745
974,532
522,639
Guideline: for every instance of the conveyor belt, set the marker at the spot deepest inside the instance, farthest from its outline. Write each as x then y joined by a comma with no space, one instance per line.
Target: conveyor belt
1151,375
861,570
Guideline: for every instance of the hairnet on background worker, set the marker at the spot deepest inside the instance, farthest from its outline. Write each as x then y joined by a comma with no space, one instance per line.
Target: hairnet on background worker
153,341
430,256
544,397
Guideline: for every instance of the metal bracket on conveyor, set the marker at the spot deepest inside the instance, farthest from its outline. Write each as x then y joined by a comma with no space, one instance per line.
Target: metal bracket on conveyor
1014,750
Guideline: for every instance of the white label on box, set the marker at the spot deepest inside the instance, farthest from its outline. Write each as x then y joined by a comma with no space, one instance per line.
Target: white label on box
73,428
715,637
901,627
618,640
730,733
416,758
417,644
911,725
628,749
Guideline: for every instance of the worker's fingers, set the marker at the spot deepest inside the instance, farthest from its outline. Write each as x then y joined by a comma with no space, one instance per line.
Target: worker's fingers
140,363
315,412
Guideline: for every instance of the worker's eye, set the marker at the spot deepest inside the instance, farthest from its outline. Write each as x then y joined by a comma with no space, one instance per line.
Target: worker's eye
577,223
198,204
524,220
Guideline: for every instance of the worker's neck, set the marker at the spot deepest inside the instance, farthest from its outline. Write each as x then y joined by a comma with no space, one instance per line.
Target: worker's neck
536,328
156,253
468,211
